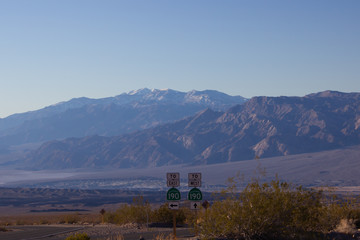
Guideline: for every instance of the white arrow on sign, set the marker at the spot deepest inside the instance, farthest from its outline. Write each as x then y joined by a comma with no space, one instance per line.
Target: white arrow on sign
174,205
195,205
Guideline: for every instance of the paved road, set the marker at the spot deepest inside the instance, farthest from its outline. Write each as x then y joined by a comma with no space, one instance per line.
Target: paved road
36,232
57,233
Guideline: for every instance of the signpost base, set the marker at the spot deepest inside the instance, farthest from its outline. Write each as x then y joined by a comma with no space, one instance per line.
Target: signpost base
174,224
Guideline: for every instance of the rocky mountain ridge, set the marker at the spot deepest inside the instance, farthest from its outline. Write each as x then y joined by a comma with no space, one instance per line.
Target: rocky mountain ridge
262,127
127,112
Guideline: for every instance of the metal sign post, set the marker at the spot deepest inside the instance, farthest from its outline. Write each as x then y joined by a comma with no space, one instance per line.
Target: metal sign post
173,195
195,195
174,225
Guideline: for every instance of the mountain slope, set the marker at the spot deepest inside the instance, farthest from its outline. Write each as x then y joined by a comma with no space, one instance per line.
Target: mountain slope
262,127
124,113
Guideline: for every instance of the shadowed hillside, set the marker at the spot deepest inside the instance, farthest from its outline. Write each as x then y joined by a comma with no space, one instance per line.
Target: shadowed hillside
262,127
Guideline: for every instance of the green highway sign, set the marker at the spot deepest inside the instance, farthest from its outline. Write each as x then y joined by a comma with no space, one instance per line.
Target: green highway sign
173,195
195,195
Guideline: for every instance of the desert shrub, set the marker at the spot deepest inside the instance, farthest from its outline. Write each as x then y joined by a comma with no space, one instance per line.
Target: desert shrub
164,215
138,212
71,218
109,217
121,216
162,236
115,237
354,210
44,221
21,222
333,212
78,236
190,217
275,210
346,226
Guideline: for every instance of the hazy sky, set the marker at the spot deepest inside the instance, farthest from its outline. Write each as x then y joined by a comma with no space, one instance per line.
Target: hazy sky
55,50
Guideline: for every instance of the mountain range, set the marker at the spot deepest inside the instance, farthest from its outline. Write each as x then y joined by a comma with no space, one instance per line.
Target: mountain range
261,127
125,113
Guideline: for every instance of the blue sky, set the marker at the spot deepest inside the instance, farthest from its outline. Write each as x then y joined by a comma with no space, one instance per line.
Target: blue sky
52,51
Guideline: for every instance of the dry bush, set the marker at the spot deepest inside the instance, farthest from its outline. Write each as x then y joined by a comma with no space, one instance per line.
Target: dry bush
78,236
346,226
51,218
162,236
117,237
70,219
44,221
21,222
164,215
275,210
138,212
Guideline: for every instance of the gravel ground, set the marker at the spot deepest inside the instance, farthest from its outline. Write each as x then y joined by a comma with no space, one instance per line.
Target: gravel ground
96,232
113,232
128,232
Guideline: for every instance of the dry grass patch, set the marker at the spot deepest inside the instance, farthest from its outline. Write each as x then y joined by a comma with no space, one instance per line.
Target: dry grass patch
41,219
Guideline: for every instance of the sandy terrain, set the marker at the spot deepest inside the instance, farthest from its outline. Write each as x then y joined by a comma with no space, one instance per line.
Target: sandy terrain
102,231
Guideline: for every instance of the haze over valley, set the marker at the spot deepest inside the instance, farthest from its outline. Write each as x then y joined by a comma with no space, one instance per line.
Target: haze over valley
145,133
224,119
